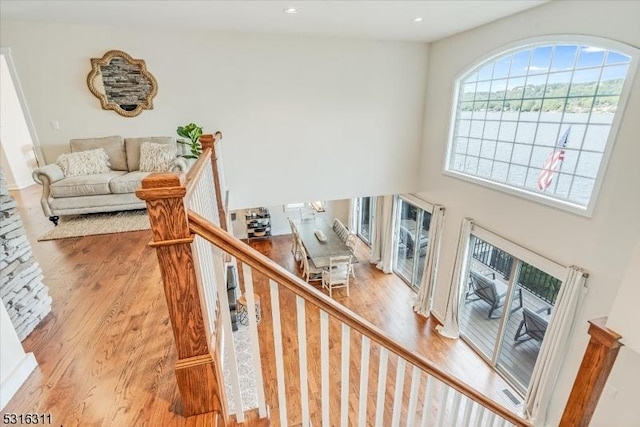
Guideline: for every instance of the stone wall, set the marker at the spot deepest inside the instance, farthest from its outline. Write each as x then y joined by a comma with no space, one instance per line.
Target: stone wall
24,295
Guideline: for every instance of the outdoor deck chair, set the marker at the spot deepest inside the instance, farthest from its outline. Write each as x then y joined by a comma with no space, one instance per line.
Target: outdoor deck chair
532,324
408,240
489,290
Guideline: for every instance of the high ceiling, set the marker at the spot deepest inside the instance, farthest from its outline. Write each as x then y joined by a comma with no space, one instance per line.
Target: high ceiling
380,20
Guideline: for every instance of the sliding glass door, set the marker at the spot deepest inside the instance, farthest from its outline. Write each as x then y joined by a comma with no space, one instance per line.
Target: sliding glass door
506,310
364,223
412,241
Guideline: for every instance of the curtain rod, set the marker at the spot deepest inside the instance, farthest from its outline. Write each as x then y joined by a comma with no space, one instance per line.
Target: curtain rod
474,224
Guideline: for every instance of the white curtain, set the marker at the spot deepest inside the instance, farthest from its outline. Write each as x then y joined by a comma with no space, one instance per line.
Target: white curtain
422,304
353,215
451,326
382,236
553,348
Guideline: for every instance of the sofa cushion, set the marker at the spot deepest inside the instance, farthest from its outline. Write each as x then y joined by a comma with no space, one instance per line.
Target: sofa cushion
156,157
87,185
127,183
132,147
79,163
113,145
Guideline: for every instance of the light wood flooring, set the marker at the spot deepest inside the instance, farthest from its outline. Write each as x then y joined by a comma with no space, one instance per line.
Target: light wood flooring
106,353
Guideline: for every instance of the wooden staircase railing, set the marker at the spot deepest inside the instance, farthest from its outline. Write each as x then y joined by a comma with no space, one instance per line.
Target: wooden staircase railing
187,220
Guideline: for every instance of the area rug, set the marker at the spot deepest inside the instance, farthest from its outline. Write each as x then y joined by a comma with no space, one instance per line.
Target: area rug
102,223
248,388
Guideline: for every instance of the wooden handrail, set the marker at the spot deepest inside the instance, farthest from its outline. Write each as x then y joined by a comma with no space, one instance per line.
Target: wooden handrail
269,268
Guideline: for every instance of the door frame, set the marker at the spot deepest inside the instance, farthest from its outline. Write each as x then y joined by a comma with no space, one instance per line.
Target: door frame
37,149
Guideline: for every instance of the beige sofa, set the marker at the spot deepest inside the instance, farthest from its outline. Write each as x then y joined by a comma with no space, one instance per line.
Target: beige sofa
103,192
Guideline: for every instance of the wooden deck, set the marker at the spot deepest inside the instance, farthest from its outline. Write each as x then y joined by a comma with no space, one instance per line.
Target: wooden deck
516,359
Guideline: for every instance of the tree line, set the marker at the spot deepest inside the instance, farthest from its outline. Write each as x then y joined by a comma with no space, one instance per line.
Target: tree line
529,98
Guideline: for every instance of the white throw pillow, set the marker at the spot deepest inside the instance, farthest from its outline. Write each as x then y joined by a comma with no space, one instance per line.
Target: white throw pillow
89,162
156,157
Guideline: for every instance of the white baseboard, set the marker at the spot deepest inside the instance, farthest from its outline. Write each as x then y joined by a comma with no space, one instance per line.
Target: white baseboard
15,380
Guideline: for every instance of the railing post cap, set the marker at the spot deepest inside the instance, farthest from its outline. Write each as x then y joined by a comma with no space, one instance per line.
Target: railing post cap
163,180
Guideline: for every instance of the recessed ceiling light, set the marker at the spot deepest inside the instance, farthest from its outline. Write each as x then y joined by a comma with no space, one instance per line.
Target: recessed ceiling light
418,19
290,10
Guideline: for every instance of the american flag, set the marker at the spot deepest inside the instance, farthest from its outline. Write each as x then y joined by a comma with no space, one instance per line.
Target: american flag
552,162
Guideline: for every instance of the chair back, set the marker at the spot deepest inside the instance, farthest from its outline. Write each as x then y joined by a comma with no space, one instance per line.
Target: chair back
535,324
485,287
340,229
339,270
352,242
406,238
303,254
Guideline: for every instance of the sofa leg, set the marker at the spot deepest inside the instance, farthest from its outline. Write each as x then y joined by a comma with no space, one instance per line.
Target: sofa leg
54,219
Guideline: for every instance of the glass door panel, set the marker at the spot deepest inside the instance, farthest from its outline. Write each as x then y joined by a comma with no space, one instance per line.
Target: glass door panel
412,242
405,248
527,319
365,216
422,236
506,310
480,317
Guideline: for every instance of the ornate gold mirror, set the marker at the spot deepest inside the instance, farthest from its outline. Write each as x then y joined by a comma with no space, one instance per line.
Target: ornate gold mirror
122,84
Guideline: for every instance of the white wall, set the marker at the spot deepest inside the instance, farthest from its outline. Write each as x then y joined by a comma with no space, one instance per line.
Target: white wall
625,315
17,157
15,364
601,244
283,103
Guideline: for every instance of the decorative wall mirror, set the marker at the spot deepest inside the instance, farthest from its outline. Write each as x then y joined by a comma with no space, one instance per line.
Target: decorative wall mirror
122,84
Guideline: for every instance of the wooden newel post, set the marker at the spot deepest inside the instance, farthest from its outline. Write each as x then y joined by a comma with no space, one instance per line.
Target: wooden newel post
596,365
197,375
210,141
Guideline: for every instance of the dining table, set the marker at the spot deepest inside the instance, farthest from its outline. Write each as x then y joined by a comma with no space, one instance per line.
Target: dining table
318,251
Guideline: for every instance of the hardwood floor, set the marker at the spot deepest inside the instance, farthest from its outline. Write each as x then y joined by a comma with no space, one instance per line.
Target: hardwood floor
106,353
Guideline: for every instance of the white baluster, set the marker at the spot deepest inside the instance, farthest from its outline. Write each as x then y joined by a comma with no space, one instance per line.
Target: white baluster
431,386
491,419
413,399
382,381
344,384
480,410
456,408
277,344
324,368
228,334
397,397
364,381
255,342
466,416
302,358
444,395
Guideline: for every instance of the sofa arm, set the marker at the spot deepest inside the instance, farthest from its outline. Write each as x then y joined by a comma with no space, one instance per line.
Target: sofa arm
180,164
46,176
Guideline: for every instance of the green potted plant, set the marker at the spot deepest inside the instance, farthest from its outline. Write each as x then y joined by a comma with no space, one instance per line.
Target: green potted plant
193,132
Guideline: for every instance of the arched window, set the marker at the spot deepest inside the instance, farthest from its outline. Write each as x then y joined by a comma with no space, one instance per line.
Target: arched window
540,119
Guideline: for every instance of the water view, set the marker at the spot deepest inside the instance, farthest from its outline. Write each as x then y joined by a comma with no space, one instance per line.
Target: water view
512,111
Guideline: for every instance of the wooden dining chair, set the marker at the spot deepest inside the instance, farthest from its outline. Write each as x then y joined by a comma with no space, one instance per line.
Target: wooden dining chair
295,243
337,275
352,244
310,273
